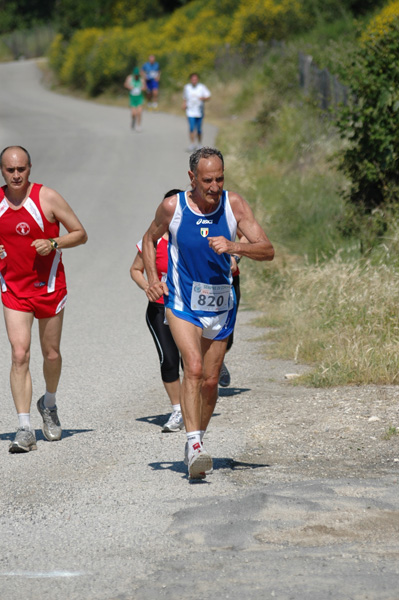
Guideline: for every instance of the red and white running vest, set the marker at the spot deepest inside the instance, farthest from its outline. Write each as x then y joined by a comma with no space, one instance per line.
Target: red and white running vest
23,271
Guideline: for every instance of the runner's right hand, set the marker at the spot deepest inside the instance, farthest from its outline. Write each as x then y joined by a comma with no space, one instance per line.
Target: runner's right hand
156,290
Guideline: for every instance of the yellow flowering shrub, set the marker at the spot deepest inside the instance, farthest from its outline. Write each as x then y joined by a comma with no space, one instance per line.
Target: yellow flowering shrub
112,57
56,53
175,27
264,20
382,23
190,44
74,69
126,13
183,42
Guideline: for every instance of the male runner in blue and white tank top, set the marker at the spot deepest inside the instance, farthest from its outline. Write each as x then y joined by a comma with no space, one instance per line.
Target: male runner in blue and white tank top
200,302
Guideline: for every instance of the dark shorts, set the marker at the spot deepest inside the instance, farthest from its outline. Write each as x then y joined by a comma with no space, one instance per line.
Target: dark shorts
169,357
152,84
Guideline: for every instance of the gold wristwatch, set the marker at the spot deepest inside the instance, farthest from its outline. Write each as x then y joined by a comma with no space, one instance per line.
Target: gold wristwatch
53,243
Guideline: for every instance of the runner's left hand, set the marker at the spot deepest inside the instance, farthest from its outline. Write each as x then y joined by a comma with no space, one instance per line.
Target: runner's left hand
43,247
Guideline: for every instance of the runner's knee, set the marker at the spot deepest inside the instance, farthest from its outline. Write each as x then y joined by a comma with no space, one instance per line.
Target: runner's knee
20,356
51,355
193,368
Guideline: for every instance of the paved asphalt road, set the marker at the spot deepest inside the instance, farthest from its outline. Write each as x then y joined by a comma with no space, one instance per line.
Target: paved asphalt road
107,513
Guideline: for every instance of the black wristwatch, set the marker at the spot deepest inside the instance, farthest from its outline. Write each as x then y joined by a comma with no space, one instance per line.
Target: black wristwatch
53,243
237,258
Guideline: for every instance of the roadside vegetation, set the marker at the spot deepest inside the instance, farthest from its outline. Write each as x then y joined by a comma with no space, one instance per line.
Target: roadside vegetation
324,184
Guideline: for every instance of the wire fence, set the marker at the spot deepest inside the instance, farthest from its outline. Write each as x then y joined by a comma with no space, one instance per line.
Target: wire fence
29,43
321,84
317,83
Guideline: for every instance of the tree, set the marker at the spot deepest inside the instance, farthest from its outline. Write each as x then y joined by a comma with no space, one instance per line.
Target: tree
22,14
71,15
370,124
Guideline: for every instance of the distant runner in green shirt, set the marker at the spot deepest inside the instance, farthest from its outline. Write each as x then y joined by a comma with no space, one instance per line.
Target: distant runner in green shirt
136,85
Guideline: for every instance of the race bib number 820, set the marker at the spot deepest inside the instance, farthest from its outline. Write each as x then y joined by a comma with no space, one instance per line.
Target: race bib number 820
210,298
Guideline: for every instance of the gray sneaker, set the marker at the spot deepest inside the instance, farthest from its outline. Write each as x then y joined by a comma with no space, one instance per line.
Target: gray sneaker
224,376
25,440
174,423
51,425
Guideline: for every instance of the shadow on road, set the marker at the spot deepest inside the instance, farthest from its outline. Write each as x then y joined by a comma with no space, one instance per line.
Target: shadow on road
218,463
232,391
39,434
160,420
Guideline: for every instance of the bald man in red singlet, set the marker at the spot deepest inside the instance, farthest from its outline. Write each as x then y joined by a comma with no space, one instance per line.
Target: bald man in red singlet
32,281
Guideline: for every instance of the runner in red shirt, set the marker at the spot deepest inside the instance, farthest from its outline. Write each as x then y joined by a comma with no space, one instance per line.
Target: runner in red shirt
33,284
168,353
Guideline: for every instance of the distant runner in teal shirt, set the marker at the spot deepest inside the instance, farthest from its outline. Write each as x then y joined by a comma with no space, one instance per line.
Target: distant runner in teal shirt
136,85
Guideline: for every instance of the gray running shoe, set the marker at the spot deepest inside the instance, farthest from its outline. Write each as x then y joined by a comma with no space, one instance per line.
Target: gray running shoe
174,423
25,440
51,425
199,464
224,376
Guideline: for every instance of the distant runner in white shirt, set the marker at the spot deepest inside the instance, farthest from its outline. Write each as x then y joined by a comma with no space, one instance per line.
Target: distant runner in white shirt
195,95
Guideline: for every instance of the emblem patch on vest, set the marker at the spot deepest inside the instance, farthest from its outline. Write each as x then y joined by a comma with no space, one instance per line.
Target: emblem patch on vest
204,231
22,228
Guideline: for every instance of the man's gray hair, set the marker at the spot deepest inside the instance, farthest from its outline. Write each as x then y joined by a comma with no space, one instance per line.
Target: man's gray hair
205,152
8,148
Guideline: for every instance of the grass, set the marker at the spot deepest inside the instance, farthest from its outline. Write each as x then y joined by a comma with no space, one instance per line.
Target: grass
5,53
339,316
390,433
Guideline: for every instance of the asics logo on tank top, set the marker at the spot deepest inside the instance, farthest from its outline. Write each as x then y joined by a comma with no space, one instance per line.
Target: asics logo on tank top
22,228
204,222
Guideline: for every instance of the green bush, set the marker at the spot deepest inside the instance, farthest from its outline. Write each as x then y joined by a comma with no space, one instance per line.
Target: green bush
370,127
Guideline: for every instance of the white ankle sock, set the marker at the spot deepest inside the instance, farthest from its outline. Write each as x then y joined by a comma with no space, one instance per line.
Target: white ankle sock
176,408
24,420
49,400
193,440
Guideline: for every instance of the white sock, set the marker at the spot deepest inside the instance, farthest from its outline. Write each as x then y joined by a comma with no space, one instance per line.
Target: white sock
193,440
202,433
49,399
24,420
176,407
